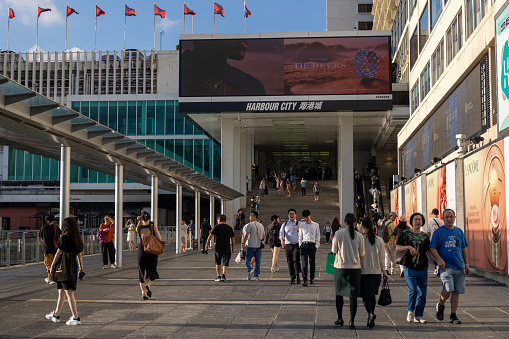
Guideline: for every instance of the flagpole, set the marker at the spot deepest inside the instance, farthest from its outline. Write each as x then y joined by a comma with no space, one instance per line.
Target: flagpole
184,18
66,16
125,24
8,27
154,27
37,43
192,24
95,40
245,16
214,11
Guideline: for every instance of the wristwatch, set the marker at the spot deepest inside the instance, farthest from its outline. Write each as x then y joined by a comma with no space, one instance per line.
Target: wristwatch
365,64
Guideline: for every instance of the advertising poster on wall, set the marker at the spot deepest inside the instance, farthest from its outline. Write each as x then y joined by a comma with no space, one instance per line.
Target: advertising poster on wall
395,201
410,199
399,209
436,196
486,208
450,174
419,194
502,57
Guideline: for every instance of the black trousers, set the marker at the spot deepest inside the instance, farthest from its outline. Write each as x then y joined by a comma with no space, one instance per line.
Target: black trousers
293,259
327,236
108,250
308,251
303,189
203,242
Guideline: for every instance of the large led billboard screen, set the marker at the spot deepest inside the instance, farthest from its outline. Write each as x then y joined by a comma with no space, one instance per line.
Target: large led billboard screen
285,74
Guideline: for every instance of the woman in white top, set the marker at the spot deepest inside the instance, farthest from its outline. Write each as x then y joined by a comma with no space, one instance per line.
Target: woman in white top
131,229
348,245
372,264
183,235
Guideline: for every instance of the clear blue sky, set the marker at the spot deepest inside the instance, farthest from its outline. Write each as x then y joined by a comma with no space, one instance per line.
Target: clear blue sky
267,16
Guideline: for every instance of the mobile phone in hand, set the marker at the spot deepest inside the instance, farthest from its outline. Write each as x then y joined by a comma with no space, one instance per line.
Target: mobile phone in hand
81,275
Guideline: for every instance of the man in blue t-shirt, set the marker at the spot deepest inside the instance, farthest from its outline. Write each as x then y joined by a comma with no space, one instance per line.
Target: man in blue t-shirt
449,247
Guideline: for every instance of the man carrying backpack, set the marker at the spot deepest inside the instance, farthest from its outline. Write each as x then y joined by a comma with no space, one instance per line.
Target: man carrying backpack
50,233
390,245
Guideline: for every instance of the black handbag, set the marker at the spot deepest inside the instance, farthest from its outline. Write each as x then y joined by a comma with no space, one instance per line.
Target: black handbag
62,268
385,295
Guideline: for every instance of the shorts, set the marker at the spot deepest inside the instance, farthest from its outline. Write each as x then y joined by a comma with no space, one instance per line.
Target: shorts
317,193
275,243
226,258
453,280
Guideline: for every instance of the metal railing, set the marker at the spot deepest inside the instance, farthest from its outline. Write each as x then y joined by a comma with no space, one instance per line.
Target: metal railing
24,247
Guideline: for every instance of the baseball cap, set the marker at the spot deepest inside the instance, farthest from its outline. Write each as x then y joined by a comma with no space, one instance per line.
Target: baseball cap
393,214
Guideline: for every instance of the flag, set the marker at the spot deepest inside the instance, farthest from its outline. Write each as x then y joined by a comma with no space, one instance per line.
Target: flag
11,13
42,10
98,11
246,11
158,11
129,11
188,11
71,10
218,9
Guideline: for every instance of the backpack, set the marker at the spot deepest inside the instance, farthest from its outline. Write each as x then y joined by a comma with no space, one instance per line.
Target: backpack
242,215
385,235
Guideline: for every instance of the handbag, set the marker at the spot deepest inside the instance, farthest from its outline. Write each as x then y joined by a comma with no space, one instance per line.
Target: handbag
385,295
329,266
151,244
400,256
62,270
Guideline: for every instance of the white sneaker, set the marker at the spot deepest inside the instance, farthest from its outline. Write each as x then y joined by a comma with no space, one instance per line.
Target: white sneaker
420,320
51,282
250,275
410,317
277,269
51,316
47,280
113,266
73,321
256,279
105,267
272,269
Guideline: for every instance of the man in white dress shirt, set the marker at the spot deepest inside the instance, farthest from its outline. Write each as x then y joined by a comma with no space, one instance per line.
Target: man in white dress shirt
309,241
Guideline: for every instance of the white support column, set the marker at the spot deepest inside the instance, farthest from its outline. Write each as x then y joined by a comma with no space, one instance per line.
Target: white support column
154,199
243,167
230,162
223,206
212,218
119,211
178,217
197,212
345,167
249,163
65,182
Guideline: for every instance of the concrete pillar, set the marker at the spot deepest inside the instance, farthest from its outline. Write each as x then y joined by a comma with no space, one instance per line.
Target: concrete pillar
154,199
345,167
65,182
230,162
243,167
249,163
223,206
197,212
212,218
178,217
119,210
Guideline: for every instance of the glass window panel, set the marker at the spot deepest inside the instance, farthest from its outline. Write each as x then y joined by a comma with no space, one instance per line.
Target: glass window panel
436,10
460,31
141,117
131,118
142,141
75,105
207,154
85,109
20,164
160,146
112,120
37,167
92,177
54,173
151,117
170,117
189,128
423,28
198,155
188,153
83,175
414,49
111,179
101,178
103,113
12,164
122,117
470,22
28,166
45,168
151,144
94,110
179,150
169,148
74,174
179,123
217,162
449,46
160,123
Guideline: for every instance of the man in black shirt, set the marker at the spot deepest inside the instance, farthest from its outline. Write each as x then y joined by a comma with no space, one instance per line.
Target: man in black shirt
50,233
223,233
204,234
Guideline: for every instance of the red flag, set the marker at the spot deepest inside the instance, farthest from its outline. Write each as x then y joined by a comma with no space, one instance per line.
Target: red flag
70,11
129,11
188,11
158,11
11,13
246,11
98,11
42,10
218,9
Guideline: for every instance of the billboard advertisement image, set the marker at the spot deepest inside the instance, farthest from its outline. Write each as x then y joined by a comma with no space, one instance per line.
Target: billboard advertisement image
486,207
436,191
502,57
410,199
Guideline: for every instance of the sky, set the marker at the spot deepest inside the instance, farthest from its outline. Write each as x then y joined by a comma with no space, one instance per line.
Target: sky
267,16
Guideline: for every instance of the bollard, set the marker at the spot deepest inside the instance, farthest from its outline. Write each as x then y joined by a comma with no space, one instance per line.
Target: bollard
37,247
23,248
8,256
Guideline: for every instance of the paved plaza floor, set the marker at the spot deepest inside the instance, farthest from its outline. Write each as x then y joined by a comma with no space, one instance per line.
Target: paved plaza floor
188,303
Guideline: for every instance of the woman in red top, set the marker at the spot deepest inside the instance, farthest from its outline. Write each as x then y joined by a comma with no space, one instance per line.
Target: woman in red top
107,247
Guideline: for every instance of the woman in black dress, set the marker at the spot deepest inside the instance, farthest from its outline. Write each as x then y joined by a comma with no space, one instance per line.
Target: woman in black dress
71,245
147,262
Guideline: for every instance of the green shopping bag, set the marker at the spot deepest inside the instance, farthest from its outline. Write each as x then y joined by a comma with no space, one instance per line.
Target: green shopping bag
329,267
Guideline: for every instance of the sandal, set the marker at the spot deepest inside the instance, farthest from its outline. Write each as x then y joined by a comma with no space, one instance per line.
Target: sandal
149,292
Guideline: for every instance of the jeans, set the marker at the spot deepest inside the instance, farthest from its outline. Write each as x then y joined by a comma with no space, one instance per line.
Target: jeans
308,250
257,252
417,287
